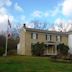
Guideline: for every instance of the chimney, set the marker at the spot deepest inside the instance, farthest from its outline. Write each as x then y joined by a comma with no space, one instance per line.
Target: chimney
24,25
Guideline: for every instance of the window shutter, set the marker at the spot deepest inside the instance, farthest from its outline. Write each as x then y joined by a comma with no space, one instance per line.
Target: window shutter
50,37
31,35
60,38
36,36
56,38
46,36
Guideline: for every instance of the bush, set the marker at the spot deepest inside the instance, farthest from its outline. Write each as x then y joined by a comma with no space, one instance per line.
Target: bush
12,52
2,50
62,49
38,49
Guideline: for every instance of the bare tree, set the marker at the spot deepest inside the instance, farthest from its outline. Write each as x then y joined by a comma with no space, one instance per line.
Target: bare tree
39,25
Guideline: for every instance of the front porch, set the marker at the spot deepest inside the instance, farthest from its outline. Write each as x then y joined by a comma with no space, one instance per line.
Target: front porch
51,48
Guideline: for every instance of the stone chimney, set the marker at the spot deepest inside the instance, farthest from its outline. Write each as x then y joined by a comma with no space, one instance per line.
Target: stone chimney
24,25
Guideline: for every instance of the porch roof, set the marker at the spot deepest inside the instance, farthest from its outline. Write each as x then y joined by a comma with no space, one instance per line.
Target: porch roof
51,43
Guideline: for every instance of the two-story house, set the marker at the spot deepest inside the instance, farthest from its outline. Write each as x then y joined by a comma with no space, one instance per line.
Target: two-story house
29,36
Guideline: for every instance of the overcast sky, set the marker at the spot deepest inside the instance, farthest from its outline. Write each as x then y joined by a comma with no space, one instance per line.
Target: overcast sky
23,11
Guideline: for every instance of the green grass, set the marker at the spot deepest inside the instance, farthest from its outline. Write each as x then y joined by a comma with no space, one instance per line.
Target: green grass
32,64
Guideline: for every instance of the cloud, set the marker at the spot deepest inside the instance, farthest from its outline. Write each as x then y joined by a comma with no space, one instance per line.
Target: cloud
69,25
22,17
8,2
1,3
29,25
46,14
67,7
59,24
59,20
18,8
3,10
5,3
4,21
64,8
3,18
40,14
4,15
56,10
62,25
37,13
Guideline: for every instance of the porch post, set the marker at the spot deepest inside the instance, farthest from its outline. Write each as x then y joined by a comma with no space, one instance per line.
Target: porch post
56,49
52,50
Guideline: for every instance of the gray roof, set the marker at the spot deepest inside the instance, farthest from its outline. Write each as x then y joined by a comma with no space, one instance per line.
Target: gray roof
46,31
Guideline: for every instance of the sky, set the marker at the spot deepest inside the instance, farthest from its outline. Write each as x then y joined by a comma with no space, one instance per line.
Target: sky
54,12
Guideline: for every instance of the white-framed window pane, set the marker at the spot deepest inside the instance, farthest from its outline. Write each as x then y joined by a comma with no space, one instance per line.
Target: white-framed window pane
34,35
58,38
48,37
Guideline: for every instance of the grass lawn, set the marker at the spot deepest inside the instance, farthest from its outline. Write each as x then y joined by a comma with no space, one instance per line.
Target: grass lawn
32,64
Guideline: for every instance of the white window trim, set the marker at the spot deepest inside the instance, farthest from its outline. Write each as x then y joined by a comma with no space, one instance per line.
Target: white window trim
58,38
34,35
48,37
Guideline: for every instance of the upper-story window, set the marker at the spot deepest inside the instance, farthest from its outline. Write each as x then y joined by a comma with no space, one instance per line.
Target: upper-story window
34,35
58,38
48,37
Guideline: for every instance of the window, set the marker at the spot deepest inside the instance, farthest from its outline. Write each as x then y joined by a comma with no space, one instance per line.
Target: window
58,38
48,37
34,36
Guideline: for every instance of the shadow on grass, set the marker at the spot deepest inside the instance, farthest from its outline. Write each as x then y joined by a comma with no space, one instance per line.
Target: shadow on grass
61,61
